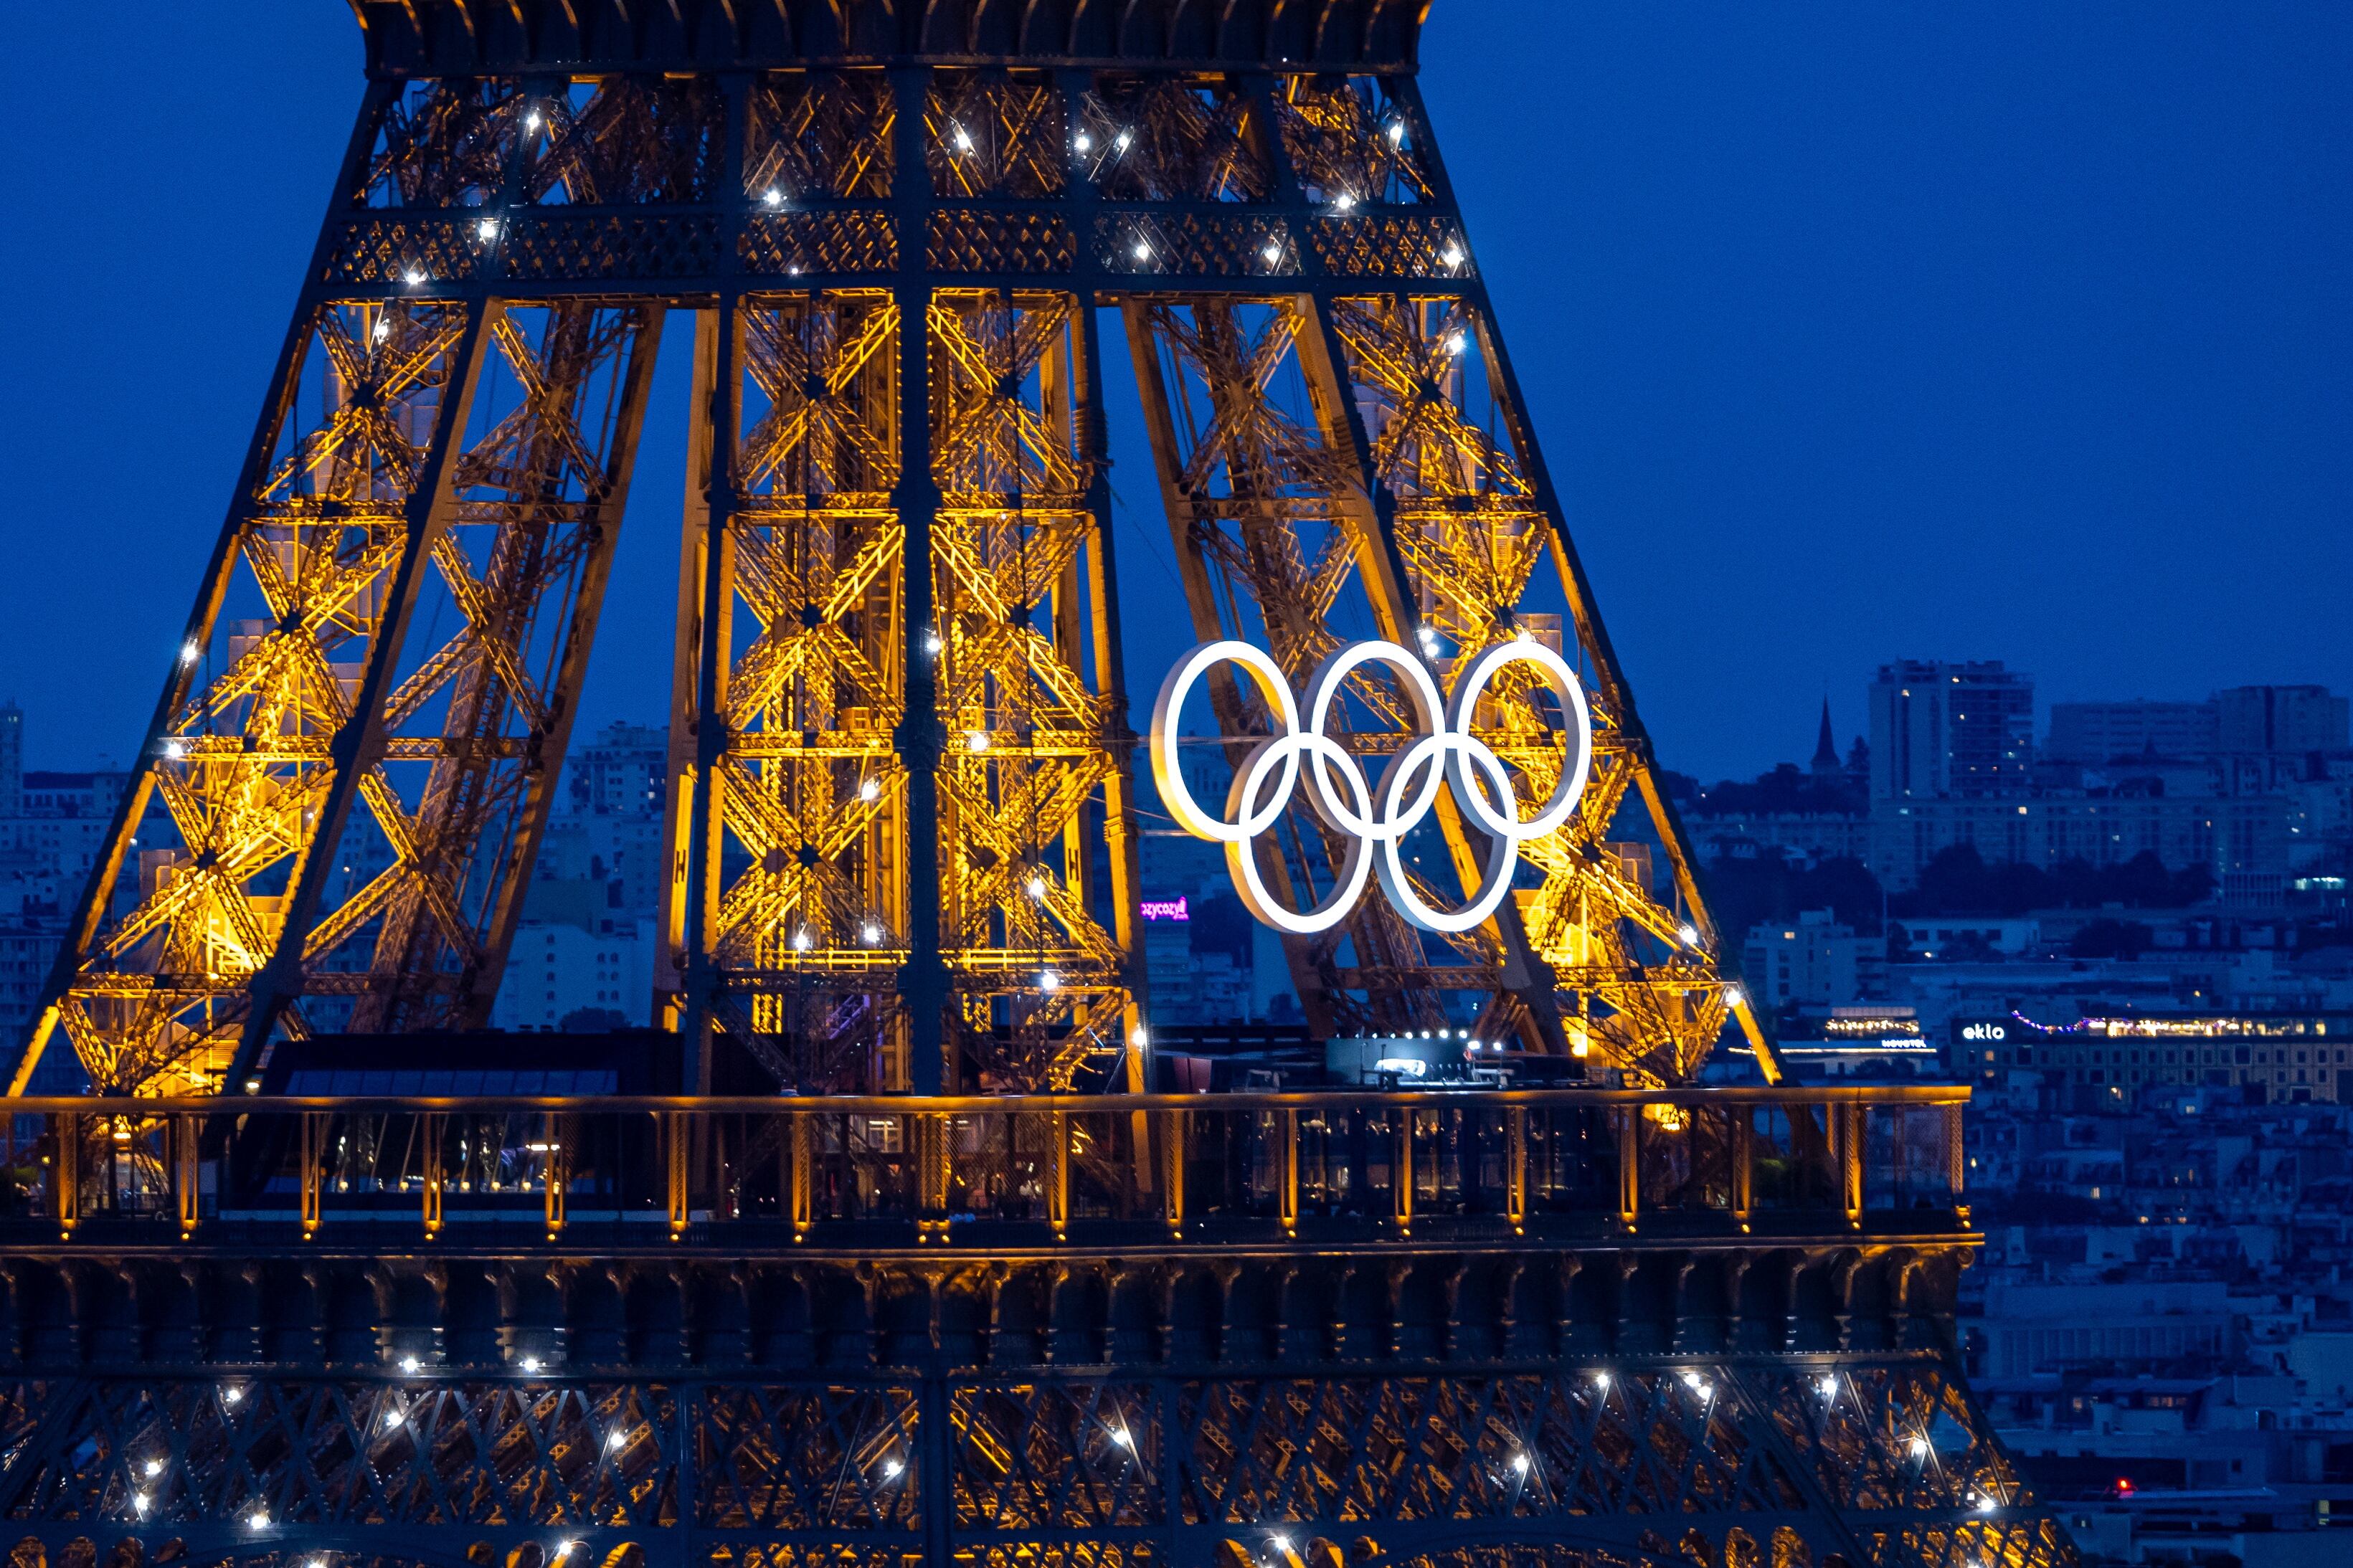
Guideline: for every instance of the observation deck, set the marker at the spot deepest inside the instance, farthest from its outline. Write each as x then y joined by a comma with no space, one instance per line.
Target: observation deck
1593,1325
866,1176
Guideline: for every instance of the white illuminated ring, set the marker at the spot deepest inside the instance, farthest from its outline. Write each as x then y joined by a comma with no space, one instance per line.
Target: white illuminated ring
1367,815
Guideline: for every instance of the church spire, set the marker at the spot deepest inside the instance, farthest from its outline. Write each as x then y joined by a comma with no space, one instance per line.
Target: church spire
1826,757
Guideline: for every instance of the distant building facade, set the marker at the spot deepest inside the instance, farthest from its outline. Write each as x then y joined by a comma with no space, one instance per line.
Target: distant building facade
2284,1057
1813,961
2093,734
2247,835
1941,730
2243,721
2279,720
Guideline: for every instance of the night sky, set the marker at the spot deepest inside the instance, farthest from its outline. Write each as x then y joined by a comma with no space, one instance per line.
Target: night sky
2009,331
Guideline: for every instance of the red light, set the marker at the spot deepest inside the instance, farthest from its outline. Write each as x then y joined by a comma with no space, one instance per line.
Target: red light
2124,1486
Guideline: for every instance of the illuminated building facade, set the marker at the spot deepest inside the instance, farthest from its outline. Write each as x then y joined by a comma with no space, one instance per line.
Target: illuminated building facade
2282,1058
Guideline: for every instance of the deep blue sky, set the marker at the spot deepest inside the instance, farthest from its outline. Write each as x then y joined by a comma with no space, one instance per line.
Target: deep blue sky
2016,329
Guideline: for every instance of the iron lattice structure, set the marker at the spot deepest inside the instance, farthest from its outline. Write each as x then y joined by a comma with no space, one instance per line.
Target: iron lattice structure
1621,1328
902,813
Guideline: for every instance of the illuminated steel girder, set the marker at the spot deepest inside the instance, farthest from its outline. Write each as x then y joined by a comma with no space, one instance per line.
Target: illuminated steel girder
902,836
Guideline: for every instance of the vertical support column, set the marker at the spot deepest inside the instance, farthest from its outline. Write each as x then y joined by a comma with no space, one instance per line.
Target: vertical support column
1744,1162
1899,1172
1401,1172
685,970
1120,830
1171,1130
429,1126
699,681
804,1195
65,1171
314,1138
1629,1167
1058,1171
1287,1129
187,1172
1957,1174
558,1182
930,1147
1852,1131
924,979
1515,1168
677,1132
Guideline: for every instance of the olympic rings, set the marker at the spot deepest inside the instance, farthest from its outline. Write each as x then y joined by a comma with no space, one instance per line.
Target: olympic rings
1367,815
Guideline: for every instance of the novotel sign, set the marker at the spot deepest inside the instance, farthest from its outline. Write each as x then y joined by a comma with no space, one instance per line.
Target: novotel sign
1372,817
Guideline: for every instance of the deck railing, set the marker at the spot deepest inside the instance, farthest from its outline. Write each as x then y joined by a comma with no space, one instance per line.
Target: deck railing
1011,1172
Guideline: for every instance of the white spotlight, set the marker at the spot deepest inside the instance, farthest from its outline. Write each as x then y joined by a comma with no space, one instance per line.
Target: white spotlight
1049,981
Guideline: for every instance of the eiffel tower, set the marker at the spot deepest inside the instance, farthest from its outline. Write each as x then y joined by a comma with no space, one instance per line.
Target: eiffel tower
953,1285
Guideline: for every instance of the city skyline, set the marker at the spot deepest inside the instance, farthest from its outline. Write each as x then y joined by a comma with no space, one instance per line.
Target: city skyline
1825,321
